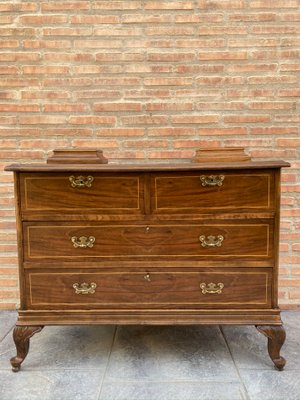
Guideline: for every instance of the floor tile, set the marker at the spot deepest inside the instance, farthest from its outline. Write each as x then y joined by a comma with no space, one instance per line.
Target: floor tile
50,385
249,347
68,347
7,321
172,391
164,353
272,385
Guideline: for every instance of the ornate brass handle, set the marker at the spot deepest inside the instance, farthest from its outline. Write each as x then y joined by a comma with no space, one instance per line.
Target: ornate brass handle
147,277
84,288
212,288
211,241
212,180
81,181
83,241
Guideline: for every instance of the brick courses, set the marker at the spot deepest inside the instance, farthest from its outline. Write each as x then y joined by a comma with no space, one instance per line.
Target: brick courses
151,79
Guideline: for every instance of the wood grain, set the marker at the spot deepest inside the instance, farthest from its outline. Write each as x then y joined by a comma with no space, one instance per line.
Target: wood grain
241,239
109,193
167,289
184,193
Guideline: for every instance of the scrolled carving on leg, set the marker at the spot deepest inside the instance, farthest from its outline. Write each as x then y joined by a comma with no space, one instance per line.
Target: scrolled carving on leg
276,338
21,336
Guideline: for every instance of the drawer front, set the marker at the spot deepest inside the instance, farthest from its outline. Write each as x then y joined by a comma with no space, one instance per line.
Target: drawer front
211,190
82,193
143,289
213,241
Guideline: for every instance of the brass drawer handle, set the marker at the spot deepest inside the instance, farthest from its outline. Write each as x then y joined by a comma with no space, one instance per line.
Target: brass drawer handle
83,241
212,180
81,181
84,288
212,288
211,241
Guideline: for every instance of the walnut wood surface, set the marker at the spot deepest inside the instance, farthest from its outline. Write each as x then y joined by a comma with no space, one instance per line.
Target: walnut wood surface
22,335
109,193
241,239
150,289
168,199
148,166
184,193
276,339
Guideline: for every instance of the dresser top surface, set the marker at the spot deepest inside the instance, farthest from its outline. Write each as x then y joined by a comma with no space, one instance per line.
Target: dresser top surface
146,166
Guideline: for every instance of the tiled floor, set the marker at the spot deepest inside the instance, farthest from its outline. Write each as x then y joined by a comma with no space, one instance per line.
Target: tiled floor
150,363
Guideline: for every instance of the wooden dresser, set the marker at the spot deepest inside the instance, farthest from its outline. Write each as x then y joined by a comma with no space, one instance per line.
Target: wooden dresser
190,243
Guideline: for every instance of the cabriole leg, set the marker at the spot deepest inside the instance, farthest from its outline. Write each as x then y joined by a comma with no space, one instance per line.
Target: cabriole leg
276,338
22,335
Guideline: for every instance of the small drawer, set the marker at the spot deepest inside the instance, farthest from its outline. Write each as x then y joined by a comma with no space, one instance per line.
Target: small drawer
209,241
142,289
82,193
211,191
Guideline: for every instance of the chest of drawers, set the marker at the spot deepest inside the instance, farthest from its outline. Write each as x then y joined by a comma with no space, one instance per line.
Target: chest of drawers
192,243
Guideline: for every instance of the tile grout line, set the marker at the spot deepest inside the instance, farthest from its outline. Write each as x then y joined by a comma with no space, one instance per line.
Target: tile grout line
108,361
234,363
6,334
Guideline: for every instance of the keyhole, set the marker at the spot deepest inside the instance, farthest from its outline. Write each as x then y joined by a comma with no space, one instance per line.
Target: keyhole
147,229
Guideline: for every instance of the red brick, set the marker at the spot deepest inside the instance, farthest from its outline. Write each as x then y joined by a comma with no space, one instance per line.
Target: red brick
116,107
19,56
195,119
171,131
169,5
273,4
9,107
94,19
223,55
122,132
65,5
42,119
246,118
144,120
67,31
170,31
92,119
9,43
49,69
43,19
222,131
224,4
168,81
64,107
169,106
117,5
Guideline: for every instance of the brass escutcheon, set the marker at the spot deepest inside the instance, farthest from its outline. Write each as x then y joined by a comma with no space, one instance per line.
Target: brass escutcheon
81,181
83,241
211,241
84,288
212,288
147,277
212,180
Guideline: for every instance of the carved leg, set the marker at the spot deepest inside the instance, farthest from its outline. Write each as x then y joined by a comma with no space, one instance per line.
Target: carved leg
276,338
21,336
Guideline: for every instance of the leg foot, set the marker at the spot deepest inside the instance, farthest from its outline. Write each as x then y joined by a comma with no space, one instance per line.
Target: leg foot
21,336
276,338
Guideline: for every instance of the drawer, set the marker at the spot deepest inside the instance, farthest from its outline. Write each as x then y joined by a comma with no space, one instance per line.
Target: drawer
247,240
150,289
212,190
71,193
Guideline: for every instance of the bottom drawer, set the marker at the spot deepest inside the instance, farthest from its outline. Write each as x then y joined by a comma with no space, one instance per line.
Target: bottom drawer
138,289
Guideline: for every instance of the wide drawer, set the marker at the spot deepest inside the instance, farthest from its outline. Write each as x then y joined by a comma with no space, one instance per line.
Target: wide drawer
212,190
71,193
214,241
138,289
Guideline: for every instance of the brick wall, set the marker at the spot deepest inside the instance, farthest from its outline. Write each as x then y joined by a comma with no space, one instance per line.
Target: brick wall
150,79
